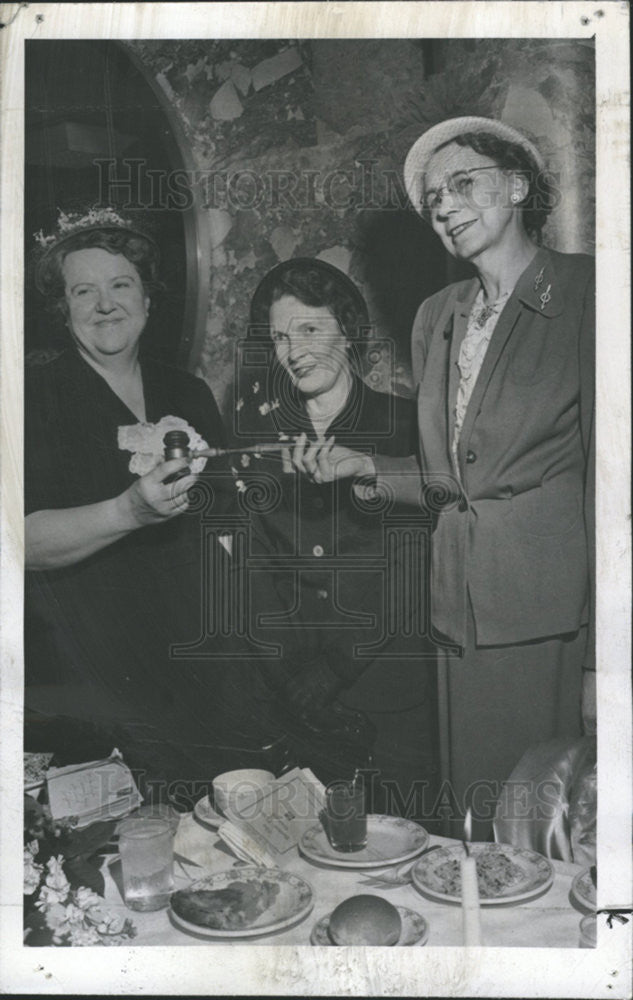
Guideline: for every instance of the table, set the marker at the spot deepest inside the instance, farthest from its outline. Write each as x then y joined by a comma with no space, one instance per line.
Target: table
549,921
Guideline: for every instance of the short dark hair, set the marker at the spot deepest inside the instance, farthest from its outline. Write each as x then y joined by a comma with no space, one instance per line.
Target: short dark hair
542,194
141,251
315,283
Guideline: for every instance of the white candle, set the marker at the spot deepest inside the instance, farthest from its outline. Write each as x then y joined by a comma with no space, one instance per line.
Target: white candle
470,893
470,902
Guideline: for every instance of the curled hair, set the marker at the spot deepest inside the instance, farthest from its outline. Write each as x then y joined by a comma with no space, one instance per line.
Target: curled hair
314,283
138,249
542,195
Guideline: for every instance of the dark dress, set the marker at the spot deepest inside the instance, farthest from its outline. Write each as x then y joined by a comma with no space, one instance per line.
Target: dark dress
333,563
98,633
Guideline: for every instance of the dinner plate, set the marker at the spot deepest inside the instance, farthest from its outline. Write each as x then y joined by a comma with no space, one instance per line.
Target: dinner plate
583,890
293,901
415,929
390,840
520,873
206,814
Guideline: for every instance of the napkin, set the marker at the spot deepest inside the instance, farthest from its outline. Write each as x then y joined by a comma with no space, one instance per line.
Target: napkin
268,829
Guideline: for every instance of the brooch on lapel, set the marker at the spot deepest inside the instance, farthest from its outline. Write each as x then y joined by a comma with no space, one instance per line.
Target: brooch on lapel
538,281
545,297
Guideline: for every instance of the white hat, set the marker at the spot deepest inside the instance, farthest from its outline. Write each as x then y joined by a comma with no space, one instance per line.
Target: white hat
422,149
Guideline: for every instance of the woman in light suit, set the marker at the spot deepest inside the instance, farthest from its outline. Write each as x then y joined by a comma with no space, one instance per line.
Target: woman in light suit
504,364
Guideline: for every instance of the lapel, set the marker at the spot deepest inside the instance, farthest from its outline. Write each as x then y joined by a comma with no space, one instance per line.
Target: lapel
461,312
537,290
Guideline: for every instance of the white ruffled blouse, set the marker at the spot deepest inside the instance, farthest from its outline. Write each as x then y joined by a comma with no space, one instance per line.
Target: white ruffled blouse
481,323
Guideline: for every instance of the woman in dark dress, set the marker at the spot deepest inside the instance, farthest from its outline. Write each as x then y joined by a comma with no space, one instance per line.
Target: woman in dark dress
333,560
112,552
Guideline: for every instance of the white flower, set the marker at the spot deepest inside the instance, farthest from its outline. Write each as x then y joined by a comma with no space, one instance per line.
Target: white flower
56,878
239,404
82,936
54,915
255,388
107,923
49,896
240,485
86,898
32,872
245,461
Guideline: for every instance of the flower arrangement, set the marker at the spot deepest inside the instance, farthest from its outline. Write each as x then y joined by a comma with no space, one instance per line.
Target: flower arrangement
69,916
59,907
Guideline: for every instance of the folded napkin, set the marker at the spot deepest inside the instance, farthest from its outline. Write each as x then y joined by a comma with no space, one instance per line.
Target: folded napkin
266,830
246,847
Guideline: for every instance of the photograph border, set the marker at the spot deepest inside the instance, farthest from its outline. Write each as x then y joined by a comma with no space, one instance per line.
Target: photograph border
275,970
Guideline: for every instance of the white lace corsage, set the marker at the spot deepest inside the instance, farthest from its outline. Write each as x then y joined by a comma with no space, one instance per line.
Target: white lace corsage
145,441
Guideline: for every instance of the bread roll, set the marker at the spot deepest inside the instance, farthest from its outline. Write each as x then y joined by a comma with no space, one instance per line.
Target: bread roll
365,920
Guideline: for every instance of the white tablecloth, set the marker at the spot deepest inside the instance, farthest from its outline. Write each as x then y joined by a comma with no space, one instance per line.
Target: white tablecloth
549,921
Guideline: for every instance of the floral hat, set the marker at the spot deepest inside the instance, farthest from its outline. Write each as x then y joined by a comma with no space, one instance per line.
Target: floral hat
69,224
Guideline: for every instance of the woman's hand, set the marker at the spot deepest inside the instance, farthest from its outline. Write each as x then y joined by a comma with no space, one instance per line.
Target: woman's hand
58,538
150,499
325,461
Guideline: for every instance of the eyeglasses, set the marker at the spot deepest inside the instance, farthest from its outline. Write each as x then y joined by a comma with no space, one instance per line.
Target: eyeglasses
459,184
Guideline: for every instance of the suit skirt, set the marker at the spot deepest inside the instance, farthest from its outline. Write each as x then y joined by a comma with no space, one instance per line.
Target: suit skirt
494,703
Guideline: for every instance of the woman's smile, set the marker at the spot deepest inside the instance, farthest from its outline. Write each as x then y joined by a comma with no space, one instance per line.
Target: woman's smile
309,344
456,231
107,305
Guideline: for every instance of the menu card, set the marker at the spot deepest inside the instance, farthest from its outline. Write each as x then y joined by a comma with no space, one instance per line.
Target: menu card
267,826
98,790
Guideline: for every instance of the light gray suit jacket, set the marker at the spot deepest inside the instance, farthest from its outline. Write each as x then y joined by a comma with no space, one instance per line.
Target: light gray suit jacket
515,530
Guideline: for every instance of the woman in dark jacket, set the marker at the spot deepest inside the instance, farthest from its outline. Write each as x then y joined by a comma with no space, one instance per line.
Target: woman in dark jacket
334,559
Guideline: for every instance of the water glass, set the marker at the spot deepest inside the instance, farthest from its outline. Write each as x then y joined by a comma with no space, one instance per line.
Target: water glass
158,810
146,847
345,816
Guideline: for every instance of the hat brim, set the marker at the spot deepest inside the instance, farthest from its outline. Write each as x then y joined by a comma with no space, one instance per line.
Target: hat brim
438,135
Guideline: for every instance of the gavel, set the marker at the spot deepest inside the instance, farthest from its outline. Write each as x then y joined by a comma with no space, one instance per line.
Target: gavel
177,446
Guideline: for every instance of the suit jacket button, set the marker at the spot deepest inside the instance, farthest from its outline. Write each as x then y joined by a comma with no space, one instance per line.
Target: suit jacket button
471,457
318,551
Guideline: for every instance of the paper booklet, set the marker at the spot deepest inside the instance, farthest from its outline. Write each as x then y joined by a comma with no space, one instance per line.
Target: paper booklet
269,825
96,791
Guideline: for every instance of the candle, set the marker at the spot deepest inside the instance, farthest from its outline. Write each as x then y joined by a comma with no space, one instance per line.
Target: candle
470,892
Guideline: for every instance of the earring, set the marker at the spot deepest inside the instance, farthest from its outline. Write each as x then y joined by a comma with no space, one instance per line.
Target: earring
515,197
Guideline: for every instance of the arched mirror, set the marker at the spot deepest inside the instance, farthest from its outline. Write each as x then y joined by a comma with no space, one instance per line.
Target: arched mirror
99,131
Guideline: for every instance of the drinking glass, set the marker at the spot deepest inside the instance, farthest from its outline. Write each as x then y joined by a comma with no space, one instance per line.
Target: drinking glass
345,816
147,857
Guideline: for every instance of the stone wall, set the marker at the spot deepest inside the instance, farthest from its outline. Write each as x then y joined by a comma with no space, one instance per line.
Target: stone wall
301,147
